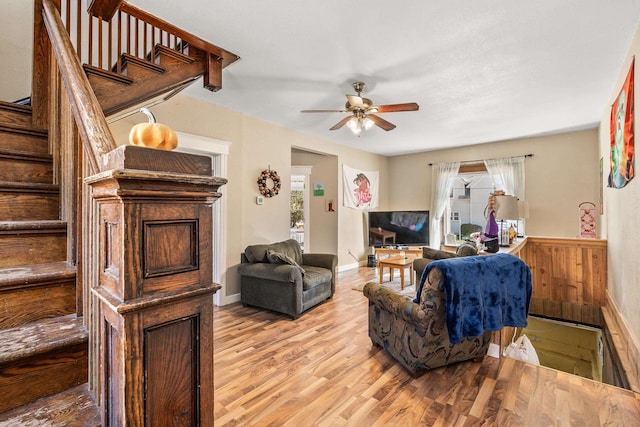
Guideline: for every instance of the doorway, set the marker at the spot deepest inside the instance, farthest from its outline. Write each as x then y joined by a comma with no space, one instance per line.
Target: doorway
300,222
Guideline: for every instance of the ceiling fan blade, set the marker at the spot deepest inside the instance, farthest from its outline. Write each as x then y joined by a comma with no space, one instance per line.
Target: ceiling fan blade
341,123
356,101
381,123
392,108
324,111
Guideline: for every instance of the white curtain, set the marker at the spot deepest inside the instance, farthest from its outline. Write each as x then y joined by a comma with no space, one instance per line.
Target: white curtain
511,172
442,177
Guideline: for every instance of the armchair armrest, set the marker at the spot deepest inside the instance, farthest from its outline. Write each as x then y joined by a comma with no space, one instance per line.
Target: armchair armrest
397,304
328,261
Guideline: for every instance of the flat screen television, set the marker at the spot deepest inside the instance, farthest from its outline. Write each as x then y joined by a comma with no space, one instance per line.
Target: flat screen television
411,227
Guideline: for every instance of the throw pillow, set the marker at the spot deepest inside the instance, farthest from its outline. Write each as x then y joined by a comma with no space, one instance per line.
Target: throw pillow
280,258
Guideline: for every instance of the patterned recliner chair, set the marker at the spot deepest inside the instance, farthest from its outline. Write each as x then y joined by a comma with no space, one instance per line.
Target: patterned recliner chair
416,334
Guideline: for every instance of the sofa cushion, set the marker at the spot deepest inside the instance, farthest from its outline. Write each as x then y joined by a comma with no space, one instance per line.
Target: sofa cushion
290,248
315,276
430,253
280,258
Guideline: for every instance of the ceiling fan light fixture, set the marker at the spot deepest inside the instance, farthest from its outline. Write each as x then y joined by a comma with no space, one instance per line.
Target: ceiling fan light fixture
354,125
367,123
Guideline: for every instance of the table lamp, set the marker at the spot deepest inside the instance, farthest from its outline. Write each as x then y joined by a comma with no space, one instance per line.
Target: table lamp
506,208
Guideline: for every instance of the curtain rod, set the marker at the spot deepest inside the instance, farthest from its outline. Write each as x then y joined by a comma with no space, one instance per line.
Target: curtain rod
481,161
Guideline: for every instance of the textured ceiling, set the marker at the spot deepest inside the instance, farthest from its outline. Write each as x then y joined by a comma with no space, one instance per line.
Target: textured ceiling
480,70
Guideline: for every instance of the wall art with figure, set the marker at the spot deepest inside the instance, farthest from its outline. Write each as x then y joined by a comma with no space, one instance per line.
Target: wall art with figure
622,138
360,188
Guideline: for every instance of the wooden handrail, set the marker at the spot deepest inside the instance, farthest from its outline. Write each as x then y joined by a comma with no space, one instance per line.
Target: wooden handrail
195,41
90,120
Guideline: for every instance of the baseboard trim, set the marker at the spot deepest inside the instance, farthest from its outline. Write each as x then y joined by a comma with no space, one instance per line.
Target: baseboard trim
228,299
625,343
350,266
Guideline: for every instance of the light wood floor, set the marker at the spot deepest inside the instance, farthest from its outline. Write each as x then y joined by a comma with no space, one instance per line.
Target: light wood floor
322,370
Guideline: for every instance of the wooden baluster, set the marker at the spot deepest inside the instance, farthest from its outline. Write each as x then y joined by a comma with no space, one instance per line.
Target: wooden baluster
128,34
145,47
67,18
153,37
79,29
90,52
99,42
136,38
119,53
109,47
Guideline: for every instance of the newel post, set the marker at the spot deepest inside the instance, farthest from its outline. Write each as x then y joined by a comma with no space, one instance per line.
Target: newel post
155,292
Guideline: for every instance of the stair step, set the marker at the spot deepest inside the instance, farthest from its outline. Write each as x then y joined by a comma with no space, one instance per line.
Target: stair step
20,201
94,73
32,242
132,66
163,55
74,407
15,115
50,287
18,140
181,70
41,359
25,167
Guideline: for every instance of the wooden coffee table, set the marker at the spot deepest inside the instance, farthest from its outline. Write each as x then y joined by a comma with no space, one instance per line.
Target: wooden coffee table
400,263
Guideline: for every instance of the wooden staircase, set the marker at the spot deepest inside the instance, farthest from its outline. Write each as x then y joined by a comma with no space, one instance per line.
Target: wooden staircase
167,72
46,359
43,343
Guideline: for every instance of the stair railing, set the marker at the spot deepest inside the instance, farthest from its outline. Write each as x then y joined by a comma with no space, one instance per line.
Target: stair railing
90,120
135,32
143,239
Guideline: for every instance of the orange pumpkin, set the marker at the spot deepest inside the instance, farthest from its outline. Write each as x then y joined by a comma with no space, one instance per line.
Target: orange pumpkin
152,134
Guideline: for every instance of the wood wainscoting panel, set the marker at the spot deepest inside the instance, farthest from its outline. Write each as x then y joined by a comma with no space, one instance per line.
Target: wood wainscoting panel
170,247
171,355
569,277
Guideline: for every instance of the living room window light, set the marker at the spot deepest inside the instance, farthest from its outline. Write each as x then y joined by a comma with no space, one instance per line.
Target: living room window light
469,184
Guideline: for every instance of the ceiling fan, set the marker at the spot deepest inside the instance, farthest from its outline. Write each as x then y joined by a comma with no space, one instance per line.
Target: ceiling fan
362,110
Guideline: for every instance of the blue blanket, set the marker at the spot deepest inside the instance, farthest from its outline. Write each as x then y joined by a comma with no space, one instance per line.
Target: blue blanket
483,293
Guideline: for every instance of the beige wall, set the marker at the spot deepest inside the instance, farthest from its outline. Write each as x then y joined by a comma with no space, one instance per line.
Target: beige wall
256,145
563,172
324,225
16,49
620,220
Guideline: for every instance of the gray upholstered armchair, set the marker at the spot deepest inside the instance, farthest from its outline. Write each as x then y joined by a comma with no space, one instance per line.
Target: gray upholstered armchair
281,278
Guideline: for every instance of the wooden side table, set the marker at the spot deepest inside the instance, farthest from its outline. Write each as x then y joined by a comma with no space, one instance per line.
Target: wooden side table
400,263
383,235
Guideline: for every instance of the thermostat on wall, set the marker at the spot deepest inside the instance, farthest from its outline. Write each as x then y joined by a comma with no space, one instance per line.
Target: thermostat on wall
260,200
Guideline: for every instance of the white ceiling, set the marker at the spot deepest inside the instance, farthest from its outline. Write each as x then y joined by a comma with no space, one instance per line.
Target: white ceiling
481,70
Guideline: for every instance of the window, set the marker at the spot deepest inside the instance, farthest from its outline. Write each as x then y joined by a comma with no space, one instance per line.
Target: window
468,203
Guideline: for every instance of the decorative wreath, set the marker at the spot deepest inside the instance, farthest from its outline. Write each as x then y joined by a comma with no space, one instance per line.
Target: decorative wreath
263,183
